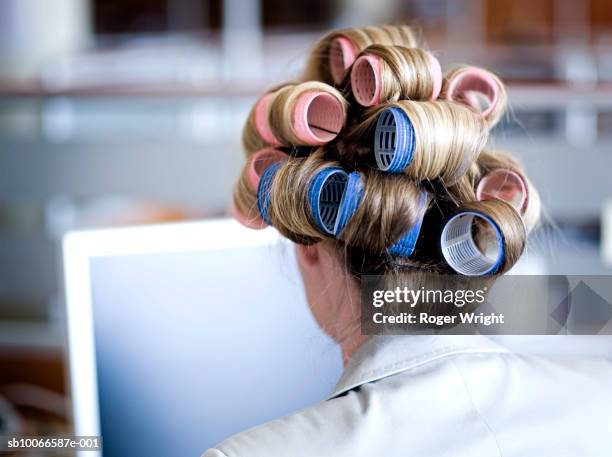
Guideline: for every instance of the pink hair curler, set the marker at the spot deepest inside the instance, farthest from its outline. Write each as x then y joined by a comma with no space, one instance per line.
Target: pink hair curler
342,54
469,82
436,74
261,120
366,79
504,185
258,163
255,223
318,117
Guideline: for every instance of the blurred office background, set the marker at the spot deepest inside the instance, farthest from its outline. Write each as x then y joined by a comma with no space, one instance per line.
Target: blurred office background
117,112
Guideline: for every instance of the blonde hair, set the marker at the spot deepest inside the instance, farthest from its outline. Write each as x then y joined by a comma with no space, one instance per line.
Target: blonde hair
343,45
448,137
375,201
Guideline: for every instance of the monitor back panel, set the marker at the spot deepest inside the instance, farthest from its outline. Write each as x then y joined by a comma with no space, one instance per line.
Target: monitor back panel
194,347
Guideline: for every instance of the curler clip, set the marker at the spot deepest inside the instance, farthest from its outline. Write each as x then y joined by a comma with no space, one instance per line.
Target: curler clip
505,185
472,244
394,141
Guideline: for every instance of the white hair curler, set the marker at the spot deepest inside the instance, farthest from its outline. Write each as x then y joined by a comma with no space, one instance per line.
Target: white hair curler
460,240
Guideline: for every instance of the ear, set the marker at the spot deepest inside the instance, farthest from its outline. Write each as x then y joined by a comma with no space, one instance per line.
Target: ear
308,256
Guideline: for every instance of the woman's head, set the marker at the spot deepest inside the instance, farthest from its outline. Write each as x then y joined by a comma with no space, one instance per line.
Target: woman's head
385,172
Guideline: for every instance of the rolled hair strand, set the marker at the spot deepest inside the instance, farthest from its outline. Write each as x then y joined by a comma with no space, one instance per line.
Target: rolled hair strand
390,73
304,114
483,238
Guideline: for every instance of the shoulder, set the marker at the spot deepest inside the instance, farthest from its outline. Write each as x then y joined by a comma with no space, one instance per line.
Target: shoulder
313,432
430,399
369,419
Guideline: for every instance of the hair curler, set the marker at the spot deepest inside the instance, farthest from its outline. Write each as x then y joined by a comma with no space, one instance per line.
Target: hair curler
379,75
483,238
244,202
259,162
256,133
309,114
505,185
460,249
394,141
336,51
334,197
342,53
366,80
318,117
407,139
261,120
479,89
325,195
513,188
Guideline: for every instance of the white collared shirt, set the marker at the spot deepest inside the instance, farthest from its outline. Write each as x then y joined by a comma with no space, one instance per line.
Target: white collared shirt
447,396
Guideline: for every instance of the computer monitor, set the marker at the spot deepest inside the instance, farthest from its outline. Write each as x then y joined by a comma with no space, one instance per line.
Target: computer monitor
181,335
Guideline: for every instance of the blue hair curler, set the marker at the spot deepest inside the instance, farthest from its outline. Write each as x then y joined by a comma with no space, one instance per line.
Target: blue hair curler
461,251
394,141
405,245
351,199
325,194
264,189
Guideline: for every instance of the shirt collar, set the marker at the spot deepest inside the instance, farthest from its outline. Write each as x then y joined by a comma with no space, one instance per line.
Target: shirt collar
383,356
